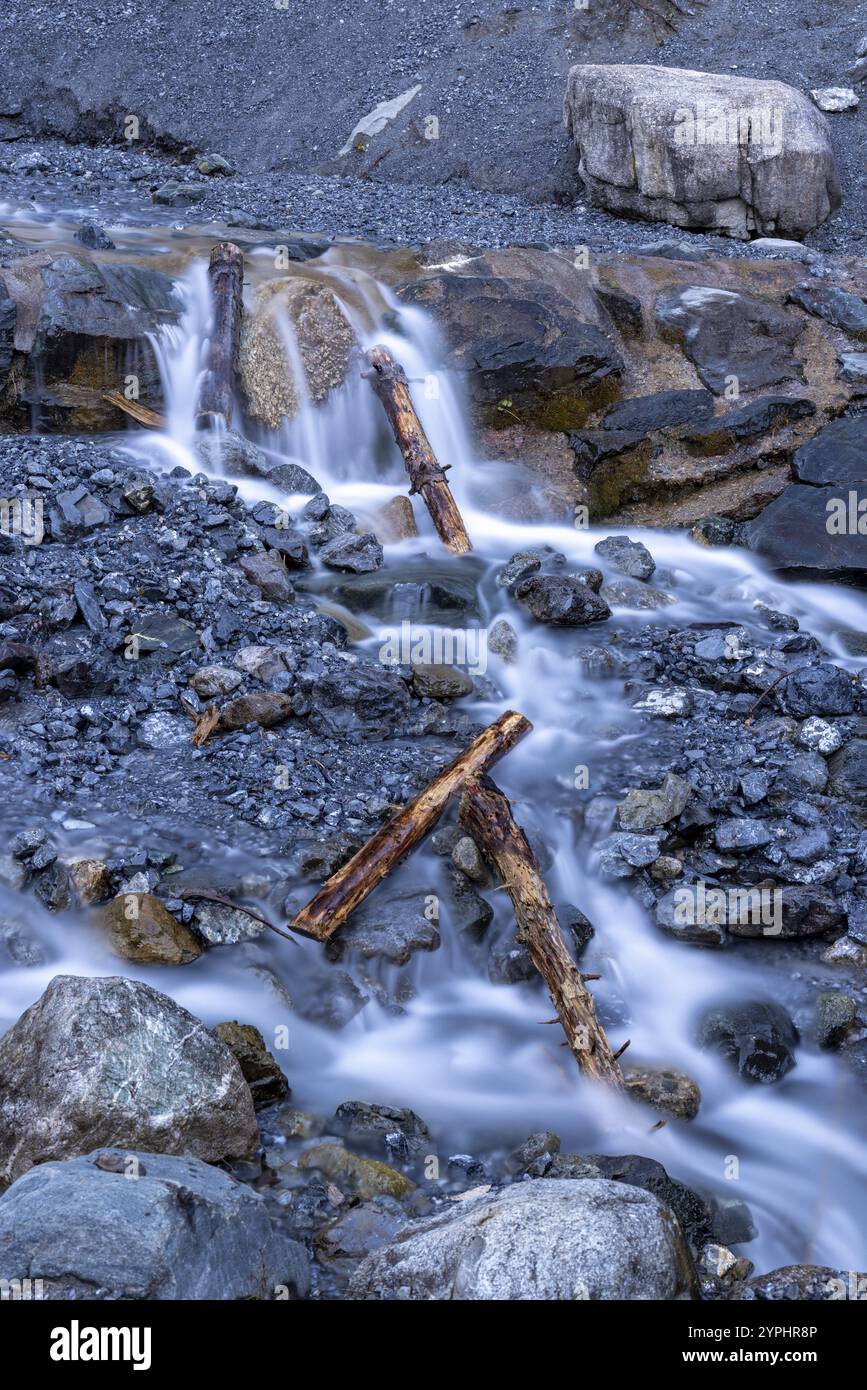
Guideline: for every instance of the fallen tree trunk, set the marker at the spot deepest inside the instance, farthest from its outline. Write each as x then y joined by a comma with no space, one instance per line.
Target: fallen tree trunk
427,476
226,281
343,892
142,413
487,816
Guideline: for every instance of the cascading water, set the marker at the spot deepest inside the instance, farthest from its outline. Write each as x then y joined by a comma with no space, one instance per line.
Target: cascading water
468,1054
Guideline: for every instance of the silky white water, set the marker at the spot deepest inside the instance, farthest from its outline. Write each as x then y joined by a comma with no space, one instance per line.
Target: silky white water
473,1058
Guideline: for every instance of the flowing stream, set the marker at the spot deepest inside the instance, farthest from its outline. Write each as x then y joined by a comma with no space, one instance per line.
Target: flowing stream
468,1055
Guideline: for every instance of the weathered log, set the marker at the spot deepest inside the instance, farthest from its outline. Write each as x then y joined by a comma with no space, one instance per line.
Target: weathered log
487,816
427,476
226,281
349,886
151,419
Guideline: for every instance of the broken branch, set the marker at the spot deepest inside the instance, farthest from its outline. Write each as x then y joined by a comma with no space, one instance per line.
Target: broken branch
426,475
487,816
149,418
343,892
226,281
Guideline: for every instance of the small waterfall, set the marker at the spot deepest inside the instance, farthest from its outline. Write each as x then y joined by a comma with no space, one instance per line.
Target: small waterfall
469,1055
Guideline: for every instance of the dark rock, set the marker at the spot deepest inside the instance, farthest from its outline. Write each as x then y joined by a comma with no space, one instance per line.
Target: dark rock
562,600
848,771
627,556
439,682
17,657
268,573
755,1037
358,554
519,341
578,929
645,414
724,432
742,834
823,689
806,1284
262,1072
726,334
360,1122
165,633
175,194
391,928
624,309
835,306
796,910
836,456
94,238
288,544
76,512
812,532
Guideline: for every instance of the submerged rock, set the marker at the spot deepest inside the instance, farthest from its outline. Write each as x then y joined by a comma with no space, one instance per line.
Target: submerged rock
540,1241
562,600
365,1177
756,1038
121,1224
262,1072
113,1061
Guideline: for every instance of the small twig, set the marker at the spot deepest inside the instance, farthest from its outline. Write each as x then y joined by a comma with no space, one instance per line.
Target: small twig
765,693
620,1051
199,895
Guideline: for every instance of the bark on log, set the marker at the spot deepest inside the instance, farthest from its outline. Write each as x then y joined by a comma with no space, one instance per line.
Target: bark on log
343,892
142,413
226,280
487,816
426,475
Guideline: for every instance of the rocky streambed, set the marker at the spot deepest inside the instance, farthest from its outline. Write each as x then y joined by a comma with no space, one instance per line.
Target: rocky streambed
226,659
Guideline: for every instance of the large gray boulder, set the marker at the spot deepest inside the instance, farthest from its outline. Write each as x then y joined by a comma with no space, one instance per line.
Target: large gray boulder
543,1240
113,1061
121,1225
702,150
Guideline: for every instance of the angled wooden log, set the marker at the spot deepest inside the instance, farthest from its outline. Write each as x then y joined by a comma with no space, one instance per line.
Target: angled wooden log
487,816
427,476
343,892
226,280
151,419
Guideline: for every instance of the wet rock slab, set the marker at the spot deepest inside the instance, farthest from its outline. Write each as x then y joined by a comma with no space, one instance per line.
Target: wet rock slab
131,1224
